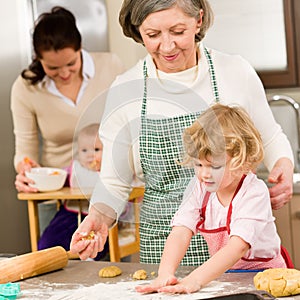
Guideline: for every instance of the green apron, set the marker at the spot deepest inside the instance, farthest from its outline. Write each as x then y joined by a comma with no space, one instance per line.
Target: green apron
160,148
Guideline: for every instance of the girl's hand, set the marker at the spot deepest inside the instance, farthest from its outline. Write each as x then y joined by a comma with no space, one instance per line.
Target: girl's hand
185,286
22,182
155,285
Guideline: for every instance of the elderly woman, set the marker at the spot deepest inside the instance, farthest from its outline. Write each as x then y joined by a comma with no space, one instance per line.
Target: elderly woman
147,109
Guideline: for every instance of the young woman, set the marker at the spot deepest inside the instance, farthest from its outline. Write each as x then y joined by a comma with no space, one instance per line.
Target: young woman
50,97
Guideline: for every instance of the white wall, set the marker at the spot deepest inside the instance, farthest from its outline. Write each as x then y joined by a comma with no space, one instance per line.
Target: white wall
127,49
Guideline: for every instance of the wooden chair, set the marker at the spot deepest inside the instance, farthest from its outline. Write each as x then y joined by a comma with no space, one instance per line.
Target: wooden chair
117,251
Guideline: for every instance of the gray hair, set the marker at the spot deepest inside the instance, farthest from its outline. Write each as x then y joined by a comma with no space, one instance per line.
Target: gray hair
134,12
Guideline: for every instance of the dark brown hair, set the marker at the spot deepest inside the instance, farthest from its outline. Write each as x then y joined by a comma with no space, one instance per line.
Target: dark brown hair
54,30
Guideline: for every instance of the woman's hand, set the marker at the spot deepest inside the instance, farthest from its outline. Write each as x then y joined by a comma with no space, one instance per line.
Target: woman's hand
22,182
282,177
86,248
157,284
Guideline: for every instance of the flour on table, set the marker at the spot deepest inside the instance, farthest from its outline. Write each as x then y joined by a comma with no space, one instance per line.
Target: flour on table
45,290
126,290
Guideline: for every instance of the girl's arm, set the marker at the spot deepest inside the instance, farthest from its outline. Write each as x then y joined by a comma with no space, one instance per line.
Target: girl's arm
223,260
175,248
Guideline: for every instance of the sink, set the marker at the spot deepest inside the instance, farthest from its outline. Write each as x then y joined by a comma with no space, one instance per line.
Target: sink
286,111
296,178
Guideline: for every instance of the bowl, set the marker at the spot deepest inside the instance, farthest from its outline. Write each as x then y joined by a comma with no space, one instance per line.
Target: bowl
47,179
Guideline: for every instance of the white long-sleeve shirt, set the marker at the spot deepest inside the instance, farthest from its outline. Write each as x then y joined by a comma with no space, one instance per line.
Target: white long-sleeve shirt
237,83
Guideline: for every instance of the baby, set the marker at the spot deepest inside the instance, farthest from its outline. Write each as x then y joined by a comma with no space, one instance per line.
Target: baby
84,174
85,168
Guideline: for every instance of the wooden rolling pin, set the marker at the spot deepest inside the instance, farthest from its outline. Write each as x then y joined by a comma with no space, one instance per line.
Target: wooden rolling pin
32,264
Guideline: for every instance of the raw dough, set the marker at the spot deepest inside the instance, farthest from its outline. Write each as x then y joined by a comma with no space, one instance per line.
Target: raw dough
279,282
89,236
140,275
111,271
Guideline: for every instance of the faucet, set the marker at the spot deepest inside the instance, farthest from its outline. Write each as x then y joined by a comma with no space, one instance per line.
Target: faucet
295,105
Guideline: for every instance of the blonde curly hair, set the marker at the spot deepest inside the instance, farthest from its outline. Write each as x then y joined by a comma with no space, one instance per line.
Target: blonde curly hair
224,129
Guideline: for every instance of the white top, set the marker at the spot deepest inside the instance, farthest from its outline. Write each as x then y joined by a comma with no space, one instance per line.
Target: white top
119,131
81,177
85,180
251,218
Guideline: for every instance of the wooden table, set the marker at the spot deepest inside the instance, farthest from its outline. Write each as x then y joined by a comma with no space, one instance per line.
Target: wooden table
33,199
84,274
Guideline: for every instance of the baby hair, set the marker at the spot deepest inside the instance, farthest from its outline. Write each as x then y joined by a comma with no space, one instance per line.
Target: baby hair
89,130
224,129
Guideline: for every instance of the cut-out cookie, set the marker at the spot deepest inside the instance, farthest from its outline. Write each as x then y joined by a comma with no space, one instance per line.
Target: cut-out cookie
279,282
111,271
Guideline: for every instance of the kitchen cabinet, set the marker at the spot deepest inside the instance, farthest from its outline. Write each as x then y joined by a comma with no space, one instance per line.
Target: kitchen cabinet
266,33
288,227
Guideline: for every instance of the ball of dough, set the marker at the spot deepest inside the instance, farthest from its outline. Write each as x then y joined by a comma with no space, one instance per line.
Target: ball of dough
111,271
89,236
279,282
139,275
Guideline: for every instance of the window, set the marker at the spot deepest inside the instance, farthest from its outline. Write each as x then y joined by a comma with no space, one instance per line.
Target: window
262,31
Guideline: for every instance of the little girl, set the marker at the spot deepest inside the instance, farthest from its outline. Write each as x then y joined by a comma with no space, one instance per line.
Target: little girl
225,202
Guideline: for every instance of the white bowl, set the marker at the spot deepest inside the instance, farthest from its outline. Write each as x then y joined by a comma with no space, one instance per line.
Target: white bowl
47,179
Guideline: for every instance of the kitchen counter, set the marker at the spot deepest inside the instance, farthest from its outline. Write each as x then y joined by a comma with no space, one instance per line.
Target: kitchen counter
80,280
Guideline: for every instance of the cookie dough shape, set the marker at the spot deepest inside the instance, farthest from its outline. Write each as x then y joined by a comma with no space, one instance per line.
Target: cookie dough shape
89,236
139,275
279,282
111,271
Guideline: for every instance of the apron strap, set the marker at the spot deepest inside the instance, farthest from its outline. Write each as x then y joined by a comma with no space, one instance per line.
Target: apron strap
144,103
212,74
202,211
230,206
